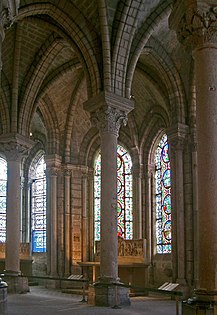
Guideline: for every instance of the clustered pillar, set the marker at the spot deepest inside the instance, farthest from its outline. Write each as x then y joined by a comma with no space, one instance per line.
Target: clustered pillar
108,112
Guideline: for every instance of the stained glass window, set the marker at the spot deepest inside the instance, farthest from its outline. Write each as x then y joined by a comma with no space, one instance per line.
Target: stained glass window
39,207
3,198
124,195
163,197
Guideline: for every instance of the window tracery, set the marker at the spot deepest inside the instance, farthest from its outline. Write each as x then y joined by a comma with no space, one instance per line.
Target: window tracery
124,195
163,197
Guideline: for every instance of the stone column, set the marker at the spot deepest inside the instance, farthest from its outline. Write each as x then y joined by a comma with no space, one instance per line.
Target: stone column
149,182
196,26
67,222
84,215
137,197
108,112
15,148
53,164
176,137
91,214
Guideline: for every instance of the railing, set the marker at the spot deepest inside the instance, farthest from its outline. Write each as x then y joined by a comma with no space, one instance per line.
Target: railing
147,290
76,278
85,282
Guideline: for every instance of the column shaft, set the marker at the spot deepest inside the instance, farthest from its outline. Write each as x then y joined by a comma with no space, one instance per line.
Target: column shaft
206,86
137,196
84,218
12,260
109,239
53,216
67,224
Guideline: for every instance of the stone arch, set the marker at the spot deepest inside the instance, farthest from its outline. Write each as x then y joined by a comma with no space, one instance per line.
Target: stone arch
77,33
70,118
5,124
154,122
141,39
125,29
34,79
168,73
51,124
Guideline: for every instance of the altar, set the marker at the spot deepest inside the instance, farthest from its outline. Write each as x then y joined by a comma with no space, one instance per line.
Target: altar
132,263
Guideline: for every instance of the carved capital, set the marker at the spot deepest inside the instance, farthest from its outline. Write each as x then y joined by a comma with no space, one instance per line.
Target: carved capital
108,111
14,151
195,22
15,146
8,12
109,119
177,136
52,171
67,172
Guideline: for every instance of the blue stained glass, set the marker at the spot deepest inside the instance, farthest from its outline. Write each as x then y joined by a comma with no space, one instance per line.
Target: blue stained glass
124,195
39,207
163,197
3,198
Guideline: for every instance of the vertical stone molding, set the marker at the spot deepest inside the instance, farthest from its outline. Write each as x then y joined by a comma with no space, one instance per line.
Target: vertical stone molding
84,214
90,205
137,197
176,138
149,182
53,164
196,27
15,147
108,112
67,221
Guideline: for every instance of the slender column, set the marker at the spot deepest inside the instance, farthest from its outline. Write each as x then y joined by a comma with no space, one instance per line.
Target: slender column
150,168
108,112
176,137
14,147
84,216
196,26
137,193
53,166
67,222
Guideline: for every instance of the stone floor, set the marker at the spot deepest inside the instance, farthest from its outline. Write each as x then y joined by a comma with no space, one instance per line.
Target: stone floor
41,301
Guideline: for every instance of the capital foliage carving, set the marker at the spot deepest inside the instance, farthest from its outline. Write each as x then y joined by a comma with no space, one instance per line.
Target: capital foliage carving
178,136
8,10
197,23
52,171
14,151
109,119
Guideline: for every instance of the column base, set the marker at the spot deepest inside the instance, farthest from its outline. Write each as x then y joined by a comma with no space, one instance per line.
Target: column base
108,294
16,284
203,303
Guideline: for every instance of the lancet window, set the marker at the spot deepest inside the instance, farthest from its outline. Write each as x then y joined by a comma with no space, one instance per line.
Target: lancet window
124,195
38,206
3,198
163,197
